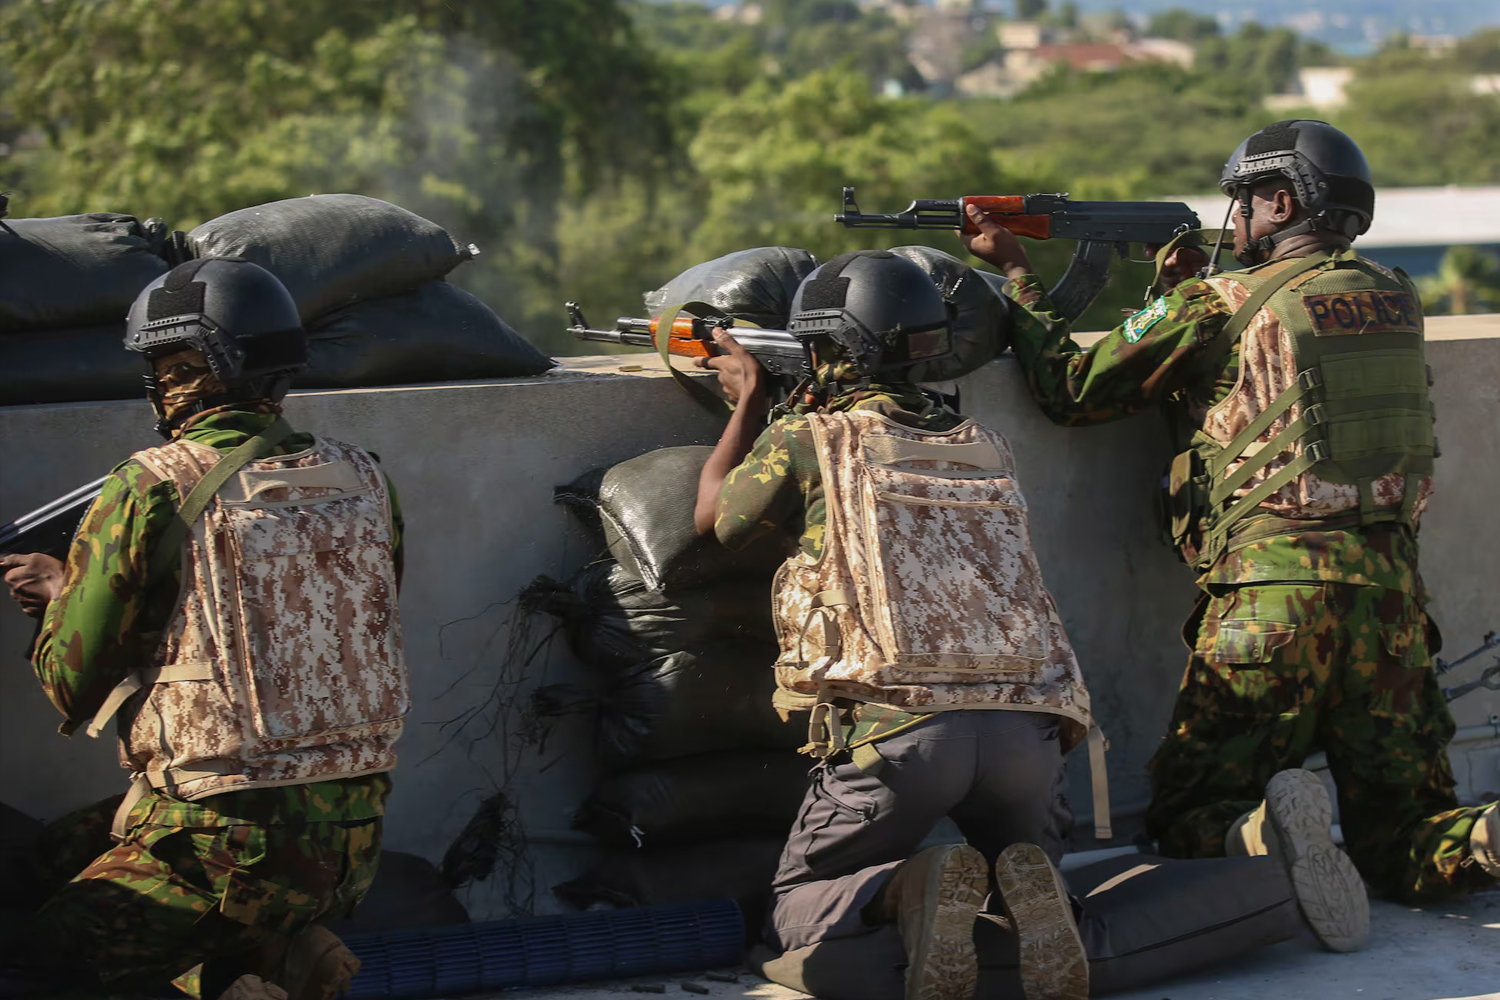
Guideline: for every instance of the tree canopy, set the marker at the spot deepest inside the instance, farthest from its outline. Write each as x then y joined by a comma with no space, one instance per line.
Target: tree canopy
593,148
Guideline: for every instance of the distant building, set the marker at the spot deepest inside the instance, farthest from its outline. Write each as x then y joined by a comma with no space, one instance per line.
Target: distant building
1031,51
1320,87
744,13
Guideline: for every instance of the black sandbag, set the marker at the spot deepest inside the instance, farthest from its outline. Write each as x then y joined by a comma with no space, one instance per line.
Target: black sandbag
1146,919
435,333
19,882
611,619
645,506
740,869
408,891
74,270
754,285
981,318
709,698
331,250
63,366
697,798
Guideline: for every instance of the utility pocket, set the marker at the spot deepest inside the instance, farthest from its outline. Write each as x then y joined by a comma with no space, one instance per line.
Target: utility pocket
958,587
1184,502
1245,641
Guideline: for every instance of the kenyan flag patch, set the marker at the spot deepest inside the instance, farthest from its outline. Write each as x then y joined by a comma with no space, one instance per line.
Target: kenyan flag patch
1137,325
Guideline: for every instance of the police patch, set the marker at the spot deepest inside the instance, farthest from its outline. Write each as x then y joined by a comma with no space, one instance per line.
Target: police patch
1366,311
1137,325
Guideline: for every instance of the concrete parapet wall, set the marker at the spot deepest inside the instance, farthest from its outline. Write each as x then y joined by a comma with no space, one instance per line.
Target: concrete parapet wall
476,464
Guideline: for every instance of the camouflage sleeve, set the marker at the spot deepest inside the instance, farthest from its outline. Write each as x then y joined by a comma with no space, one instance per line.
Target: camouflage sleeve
764,493
1147,357
91,635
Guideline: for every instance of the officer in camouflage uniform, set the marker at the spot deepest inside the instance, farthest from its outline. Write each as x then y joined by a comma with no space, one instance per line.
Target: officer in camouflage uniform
1298,391
909,749
220,863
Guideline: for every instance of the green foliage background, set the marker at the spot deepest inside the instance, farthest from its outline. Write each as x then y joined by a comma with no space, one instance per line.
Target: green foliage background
594,148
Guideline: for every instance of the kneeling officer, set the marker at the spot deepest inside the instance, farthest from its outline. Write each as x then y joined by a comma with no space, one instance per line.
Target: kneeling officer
914,607
230,600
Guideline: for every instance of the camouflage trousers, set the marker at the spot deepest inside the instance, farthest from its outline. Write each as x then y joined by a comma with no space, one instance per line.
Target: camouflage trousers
129,918
1281,670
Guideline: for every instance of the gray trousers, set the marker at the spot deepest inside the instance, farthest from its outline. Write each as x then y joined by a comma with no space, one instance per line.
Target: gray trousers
997,773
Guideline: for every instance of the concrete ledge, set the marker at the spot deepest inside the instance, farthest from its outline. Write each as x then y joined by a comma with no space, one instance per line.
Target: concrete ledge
476,463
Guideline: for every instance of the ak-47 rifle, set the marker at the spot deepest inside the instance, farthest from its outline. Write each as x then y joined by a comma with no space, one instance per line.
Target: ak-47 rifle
1102,229
50,528
693,337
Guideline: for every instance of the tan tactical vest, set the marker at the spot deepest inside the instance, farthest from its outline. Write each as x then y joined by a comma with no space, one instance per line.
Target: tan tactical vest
928,595
1328,418
283,663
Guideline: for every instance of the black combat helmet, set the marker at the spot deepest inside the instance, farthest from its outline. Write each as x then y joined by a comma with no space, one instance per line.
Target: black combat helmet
882,310
236,312
1330,178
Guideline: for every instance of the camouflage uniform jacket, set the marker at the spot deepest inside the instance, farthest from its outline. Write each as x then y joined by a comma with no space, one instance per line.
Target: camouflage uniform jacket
105,624
1154,358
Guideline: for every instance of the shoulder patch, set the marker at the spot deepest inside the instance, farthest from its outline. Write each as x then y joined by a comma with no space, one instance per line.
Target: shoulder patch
1364,311
1137,325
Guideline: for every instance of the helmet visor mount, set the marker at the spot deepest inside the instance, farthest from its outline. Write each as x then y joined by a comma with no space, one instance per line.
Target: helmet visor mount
874,352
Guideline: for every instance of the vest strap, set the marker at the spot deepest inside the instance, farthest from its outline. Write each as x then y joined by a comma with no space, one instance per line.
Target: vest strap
1099,778
1229,336
1223,489
136,680
169,547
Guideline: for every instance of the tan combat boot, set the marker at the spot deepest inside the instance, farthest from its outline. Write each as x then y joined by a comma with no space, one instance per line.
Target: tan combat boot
933,899
1053,963
253,988
1484,841
1295,824
317,965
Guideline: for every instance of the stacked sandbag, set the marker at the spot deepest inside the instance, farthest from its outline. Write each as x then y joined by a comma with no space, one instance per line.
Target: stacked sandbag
367,277
66,285
699,776
980,314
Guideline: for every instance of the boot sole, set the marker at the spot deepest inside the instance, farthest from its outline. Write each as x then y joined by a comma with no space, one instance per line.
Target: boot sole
945,966
1329,889
1053,963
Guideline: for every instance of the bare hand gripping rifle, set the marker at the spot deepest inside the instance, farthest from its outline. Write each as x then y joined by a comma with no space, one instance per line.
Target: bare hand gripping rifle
1102,229
693,337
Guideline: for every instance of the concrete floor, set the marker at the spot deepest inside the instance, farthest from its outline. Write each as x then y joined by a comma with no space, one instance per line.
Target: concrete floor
1441,953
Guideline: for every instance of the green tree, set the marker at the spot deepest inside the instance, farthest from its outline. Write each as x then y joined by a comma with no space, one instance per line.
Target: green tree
1467,281
1183,25
775,161
1419,122
1030,10
479,115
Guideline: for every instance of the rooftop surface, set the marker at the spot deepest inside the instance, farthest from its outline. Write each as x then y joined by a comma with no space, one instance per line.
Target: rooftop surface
1449,952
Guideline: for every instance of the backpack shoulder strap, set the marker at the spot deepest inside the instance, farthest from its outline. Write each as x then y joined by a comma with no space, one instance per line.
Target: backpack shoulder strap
169,546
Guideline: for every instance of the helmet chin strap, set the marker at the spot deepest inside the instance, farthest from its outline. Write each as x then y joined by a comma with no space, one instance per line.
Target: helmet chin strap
1258,251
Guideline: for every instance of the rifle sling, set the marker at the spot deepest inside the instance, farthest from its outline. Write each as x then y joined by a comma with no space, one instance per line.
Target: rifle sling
699,392
169,547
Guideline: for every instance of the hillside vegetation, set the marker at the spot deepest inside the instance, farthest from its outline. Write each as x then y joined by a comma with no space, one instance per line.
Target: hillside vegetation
593,148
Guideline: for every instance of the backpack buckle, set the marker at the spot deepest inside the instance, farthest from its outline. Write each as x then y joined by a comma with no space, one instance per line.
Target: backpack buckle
1317,451
1314,415
1311,378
